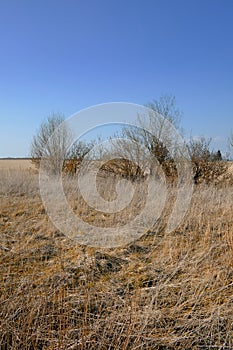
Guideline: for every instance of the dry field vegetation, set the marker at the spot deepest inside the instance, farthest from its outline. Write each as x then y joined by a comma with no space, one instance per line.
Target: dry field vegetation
164,291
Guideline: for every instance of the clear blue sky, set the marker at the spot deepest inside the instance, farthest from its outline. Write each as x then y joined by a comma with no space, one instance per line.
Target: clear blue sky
65,55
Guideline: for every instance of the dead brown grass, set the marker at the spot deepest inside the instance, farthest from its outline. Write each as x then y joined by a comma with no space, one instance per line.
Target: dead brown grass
16,164
165,291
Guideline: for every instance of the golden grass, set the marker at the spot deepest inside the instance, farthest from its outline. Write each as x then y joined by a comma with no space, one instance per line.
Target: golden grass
164,291
15,164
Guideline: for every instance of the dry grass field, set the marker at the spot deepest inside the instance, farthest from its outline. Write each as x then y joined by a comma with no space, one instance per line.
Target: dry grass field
8,164
163,291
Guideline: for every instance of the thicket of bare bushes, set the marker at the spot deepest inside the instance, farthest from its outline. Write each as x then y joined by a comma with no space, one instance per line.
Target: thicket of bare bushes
135,149
54,143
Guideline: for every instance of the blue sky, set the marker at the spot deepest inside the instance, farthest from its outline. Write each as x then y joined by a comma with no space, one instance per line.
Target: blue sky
65,55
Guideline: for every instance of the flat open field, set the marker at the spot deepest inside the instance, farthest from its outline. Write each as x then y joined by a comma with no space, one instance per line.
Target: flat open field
163,291
15,164
24,164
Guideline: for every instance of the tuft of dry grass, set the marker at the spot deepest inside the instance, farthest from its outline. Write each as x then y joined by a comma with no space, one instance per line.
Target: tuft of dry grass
164,291
18,181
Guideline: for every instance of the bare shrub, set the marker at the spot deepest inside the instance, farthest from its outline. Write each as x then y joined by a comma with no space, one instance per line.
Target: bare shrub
51,143
207,164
